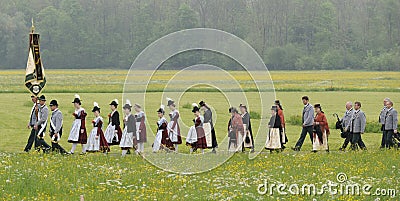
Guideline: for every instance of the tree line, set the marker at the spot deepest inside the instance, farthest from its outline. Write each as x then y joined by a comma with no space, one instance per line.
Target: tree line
288,34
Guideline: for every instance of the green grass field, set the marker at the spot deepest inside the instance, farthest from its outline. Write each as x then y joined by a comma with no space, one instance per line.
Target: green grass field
36,176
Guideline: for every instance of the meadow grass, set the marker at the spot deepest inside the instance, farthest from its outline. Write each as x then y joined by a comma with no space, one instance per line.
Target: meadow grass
111,81
36,176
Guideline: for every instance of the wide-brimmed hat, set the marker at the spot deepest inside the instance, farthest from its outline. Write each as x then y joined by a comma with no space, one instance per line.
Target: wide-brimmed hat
161,109
243,106
170,102
202,103
96,107
114,102
53,103
42,98
127,105
195,108
77,99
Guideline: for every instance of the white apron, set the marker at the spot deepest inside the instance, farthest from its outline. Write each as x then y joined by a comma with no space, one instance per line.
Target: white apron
93,144
157,141
207,132
192,135
240,139
126,139
137,130
317,146
109,134
273,139
173,135
75,130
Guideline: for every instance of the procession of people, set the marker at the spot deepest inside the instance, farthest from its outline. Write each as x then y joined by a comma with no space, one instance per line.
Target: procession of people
201,135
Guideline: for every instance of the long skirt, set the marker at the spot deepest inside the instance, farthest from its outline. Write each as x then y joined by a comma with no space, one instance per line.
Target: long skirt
235,141
128,140
166,141
273,139
208,133
174,135
75,136
284,139
247,135
201,143
318,145
140,137
157,141
93,143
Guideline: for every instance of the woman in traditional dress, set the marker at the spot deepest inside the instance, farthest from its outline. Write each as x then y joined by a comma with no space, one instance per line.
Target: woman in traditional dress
128,139
284,138
208,127
248,141
236,131
273,141
141,135
174,131
161,139
201,142
78,133
113,131
97,141
321,130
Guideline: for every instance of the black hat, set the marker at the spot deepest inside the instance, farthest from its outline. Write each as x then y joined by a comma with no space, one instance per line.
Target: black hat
42,98
274,108
96,107
277,102
161,109
317,105
202,103
232,109
114,102
77,99
53,103
33,96
170,102
195,108
127,105
242,105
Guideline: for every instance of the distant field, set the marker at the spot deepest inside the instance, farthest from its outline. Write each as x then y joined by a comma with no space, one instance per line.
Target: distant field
52,177
96,81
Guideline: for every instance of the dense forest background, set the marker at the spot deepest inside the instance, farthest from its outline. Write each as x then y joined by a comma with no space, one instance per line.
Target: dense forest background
288,34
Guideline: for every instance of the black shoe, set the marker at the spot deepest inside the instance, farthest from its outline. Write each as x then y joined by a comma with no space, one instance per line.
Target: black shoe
314,151
295,148
128,152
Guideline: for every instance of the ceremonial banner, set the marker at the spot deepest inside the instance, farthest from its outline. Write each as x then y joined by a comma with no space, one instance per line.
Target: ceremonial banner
34,77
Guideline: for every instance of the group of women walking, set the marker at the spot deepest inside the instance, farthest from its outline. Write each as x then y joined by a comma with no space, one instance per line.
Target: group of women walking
133,136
